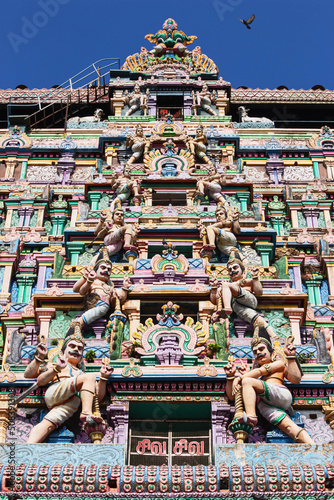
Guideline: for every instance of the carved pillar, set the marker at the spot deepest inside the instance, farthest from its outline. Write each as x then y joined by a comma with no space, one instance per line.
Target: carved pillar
329,262
243,197
142,249
8,220
296,272
40,217
221,415
25,283
94,198
43,317
187,104
4,416
24,169
11,164
111,156
117,103
58,223
5,296
295,315
266,251
240,327
311,215
205,311
278,223
132,309
313,290
222,102
197,247
118,419
74,250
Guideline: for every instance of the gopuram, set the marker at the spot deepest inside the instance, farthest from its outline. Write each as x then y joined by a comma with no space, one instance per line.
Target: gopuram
166,285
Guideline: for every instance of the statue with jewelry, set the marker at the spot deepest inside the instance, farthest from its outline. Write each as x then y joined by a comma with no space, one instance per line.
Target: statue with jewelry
263,386
239,295
138,143
115,233
136,100
203,100
124,187
221,233
212,185
68,386
99,292
197,145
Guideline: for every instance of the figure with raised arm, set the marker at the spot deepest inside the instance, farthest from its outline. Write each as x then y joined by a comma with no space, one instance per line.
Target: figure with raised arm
136,100
212,184
116,233
97,288
265,384
239,295
221,233
124,187
197,145
138,143
68,386
203,100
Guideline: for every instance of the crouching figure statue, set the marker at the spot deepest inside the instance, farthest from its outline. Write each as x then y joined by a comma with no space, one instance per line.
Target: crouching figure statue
69,386
265,384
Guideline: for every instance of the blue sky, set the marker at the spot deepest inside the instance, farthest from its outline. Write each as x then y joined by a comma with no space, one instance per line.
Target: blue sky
44,42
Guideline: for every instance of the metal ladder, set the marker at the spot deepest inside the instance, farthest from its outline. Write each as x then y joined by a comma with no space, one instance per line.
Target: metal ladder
53,107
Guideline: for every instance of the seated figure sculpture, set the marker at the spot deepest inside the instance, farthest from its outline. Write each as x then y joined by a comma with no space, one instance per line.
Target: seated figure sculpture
212,184
203,100
197,145
97,288
138,143
136,100
116,234
223,232
124,187
239,295
66,378
265,384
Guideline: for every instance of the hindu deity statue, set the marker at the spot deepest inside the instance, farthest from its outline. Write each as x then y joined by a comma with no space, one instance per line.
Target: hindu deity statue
203,100
116,234
68,386
170,41
212,184
239,295
197,145
136,100
263,386
138,143
99,292
222,233
124,187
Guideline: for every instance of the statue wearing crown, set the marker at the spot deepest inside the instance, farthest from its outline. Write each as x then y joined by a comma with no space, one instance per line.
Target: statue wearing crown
239,295
68,386
97,288
263,386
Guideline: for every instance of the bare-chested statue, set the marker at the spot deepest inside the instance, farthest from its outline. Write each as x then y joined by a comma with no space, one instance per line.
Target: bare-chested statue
138,143
221,233
115,233
68,386
136,100
239,295
203,100
97,288
197,145
263,387
124,187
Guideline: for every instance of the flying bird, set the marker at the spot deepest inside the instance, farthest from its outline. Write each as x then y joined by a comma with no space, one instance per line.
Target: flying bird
248,22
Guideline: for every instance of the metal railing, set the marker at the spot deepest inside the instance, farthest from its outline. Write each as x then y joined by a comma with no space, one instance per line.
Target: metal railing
90,78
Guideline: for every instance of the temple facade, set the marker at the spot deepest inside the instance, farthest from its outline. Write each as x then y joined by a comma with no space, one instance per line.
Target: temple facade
166,285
